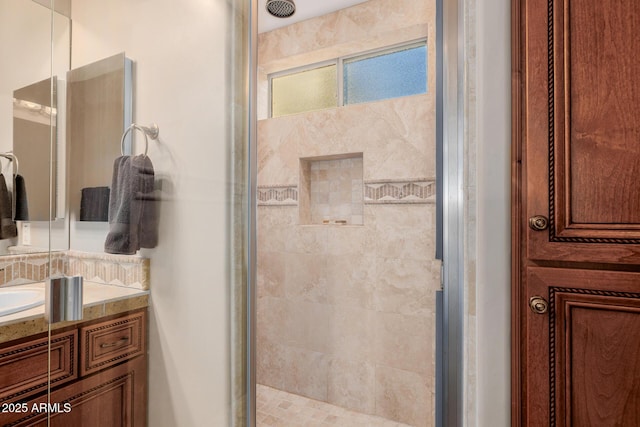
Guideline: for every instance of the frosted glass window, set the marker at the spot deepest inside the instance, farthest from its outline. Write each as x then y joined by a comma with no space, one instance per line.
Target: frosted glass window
304,91
385,75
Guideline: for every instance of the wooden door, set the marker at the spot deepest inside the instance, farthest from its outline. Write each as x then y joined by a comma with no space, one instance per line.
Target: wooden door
576,213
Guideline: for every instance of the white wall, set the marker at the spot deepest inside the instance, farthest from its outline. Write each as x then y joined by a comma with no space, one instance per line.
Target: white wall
180,50
493,213
25,49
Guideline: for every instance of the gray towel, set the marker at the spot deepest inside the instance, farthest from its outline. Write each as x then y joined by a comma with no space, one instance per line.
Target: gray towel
133,221
21,205
8,227
94,204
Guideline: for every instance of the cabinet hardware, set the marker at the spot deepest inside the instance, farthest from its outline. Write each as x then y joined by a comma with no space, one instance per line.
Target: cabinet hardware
120,342
538,223
538,304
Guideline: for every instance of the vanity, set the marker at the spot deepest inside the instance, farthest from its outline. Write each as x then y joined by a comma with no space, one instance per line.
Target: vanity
98,372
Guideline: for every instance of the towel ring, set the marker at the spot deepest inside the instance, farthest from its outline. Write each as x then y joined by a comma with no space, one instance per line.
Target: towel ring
151,131
12,158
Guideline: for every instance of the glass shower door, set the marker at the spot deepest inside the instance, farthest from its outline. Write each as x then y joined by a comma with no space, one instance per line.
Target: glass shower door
347,274
35,354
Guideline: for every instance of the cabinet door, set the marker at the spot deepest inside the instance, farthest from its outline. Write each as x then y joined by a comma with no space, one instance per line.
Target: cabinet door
583,354
576,213
115,397
28,368
582,129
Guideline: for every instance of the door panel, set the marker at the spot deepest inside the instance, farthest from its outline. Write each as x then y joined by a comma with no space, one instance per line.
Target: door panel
601,130
28,369
582,105
115,397
576,159
601,383
587,346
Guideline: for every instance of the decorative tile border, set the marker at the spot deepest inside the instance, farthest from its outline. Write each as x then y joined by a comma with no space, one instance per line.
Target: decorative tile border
400,191
277,195
27,268
119,270
386,191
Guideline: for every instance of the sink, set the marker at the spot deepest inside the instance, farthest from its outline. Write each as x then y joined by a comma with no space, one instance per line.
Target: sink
15,300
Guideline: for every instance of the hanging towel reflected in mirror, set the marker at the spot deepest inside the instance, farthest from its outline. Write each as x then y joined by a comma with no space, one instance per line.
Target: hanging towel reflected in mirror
21,202
8,227
94,204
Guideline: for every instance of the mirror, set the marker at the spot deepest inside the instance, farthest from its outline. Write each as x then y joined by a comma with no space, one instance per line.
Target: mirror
36,42
98,112
34,135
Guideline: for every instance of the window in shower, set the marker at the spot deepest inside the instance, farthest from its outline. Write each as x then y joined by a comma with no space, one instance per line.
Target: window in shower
372,76
387,74
308,90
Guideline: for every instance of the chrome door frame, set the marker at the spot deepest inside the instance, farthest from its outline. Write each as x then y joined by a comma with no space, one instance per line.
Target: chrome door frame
450,82
451,122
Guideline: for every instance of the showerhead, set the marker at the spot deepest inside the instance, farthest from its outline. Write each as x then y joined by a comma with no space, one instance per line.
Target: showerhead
281,8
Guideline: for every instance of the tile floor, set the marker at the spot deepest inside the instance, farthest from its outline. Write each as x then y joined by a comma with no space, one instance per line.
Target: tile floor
282,409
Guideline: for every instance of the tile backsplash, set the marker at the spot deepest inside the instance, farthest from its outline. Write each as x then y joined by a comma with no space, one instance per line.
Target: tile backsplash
119,270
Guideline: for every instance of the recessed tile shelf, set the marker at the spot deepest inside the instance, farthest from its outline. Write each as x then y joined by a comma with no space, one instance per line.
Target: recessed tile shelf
331,190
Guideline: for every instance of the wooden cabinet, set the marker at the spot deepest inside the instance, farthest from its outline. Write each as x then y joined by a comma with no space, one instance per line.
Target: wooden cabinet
576,213
107,385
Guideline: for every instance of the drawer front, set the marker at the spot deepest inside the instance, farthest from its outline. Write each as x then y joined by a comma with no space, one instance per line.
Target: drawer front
23,367
108,343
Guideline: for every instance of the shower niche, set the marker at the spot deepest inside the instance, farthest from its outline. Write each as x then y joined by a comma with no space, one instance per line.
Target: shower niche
331,190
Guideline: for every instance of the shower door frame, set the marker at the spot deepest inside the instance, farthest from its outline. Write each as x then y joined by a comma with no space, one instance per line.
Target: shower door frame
450,122
450,56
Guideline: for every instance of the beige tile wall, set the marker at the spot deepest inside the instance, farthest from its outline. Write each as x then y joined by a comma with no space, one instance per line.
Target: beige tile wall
397,140
346,314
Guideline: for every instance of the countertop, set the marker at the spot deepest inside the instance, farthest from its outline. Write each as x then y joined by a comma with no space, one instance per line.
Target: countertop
98,300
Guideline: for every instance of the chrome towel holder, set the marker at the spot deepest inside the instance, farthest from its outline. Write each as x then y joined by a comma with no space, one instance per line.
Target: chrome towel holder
148,131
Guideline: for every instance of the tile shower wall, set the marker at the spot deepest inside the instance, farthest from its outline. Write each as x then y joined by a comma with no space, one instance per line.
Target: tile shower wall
346,314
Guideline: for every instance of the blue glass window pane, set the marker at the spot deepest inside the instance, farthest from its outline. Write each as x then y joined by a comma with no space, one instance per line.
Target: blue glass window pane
384,76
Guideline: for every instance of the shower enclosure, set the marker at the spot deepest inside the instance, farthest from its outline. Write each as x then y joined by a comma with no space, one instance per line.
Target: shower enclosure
346,218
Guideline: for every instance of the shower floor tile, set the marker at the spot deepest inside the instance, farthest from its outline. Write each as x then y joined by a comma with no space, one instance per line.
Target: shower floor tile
282,409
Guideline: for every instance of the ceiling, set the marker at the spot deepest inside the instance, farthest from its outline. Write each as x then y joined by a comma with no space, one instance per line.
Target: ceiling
305,9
